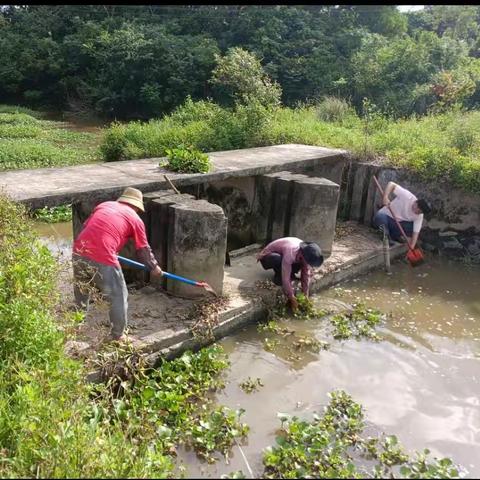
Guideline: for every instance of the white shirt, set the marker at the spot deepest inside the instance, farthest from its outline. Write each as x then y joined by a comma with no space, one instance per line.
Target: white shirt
402,208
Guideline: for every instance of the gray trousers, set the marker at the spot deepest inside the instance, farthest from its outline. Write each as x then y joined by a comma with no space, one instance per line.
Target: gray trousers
90,276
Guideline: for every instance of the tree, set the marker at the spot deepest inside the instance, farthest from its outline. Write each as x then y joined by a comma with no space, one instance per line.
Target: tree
239,77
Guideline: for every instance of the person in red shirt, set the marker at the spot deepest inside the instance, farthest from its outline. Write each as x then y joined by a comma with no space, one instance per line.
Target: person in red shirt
95,250
287,256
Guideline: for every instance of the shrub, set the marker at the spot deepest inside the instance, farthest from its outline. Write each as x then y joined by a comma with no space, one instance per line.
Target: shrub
17,109
17,118
12,130
333,109
187,159
191,111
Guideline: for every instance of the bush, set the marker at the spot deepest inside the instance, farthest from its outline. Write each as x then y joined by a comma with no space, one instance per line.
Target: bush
333,109
187,160
190,111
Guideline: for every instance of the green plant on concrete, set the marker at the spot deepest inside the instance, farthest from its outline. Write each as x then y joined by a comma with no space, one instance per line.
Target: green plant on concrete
187,159
332,446
359,323
251,385
60,213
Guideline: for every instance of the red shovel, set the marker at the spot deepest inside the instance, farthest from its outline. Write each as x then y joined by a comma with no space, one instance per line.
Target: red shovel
414,255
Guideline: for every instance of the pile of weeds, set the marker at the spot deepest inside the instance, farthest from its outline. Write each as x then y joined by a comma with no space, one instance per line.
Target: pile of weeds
332,446
204,316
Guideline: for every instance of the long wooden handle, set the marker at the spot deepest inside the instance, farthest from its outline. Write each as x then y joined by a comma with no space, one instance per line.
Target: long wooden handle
393,215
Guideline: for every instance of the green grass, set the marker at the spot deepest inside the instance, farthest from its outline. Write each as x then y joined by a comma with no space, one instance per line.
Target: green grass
441,147
438,147
27,141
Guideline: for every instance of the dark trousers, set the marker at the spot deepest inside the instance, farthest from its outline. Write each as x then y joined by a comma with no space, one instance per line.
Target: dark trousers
383,221
274,261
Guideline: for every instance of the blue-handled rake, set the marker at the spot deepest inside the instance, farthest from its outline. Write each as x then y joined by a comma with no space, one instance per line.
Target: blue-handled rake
133,263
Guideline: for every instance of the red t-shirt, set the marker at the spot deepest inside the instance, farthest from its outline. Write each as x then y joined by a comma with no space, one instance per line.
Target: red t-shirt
107,230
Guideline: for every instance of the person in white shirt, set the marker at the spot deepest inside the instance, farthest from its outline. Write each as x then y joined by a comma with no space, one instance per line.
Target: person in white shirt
409,212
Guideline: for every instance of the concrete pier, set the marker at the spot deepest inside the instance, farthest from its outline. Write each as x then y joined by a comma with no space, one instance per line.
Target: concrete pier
197,241
292,204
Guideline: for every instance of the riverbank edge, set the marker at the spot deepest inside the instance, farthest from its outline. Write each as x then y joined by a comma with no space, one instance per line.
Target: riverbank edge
254,310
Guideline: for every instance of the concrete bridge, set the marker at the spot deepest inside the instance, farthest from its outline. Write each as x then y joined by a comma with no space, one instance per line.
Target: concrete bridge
55,186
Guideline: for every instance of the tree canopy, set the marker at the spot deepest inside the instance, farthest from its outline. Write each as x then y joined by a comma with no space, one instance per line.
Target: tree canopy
141,61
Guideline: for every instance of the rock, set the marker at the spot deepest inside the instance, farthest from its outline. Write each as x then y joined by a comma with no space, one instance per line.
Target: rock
474,247
448,233
452,243
147,290
429,247
75,348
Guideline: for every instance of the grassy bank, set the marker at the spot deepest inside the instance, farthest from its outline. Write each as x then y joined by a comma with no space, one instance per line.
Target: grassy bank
28,141
443,146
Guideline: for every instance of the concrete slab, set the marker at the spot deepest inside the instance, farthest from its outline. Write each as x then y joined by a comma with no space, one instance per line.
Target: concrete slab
55,186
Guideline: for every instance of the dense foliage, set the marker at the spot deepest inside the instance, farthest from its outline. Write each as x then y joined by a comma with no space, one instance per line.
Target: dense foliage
141,61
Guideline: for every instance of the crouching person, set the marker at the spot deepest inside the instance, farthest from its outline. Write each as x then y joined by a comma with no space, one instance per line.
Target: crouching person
95,250
408,210
287,256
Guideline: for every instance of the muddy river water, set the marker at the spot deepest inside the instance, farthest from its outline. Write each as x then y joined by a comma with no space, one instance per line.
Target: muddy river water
421,382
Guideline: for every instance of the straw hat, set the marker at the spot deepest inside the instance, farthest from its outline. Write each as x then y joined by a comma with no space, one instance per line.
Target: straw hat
133,197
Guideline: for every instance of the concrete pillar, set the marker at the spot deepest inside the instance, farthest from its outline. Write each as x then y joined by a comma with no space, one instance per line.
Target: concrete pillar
197,241
273,194
313,214
291,204
160,222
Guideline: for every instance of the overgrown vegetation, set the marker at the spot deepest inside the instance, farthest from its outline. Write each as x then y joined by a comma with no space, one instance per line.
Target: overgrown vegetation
60,213
444,146
332,446
54,424
28,142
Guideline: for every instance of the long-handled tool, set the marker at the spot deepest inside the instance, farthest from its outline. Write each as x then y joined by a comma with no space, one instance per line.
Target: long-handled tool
172,276
414,255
